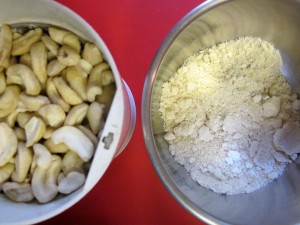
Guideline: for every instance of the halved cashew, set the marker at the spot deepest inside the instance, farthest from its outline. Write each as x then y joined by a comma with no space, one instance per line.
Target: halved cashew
107,77
52,114
9,100
94,86
48,133
23,161
89,134
50,44
6,171
23,44
31,83
55,97
18,192
68,56
34,129
2,83
95,116
55,148
20,133
67,93
38,54
72,162
92,54
76,81
5,45
33,103
23,118
42,156
76,141
76,114
72,41
57,34
71,182
84,68
54,67
8,143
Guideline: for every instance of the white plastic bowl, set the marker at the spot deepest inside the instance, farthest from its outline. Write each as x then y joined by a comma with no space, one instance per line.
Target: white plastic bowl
120,121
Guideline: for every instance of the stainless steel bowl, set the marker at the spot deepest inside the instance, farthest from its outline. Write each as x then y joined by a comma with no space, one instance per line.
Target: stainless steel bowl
276,21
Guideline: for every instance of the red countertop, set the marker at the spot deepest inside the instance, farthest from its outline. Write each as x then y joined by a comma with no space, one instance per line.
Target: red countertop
130,192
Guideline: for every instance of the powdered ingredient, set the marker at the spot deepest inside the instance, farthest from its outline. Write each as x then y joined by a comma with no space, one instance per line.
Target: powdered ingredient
221,110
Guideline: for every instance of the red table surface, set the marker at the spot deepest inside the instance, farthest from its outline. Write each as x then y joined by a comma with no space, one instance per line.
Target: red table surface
130,192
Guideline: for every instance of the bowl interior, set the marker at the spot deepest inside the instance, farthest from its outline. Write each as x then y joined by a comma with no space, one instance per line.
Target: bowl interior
276,21
52,13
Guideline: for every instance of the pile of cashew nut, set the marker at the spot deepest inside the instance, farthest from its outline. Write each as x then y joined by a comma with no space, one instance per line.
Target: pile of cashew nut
55,93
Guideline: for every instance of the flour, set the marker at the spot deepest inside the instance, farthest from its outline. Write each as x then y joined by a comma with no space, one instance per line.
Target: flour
221,110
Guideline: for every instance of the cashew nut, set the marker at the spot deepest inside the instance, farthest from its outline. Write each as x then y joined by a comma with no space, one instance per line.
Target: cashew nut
107,96
20,133
2,83
48,133
8,143
92,54
55,97
67,93
89,134
23,119
9,100
94,86
55,67
44,180
52,114
76,141
95,116
84,68
76,114
71,182
31,83
57,34
18,192
50,44
6,171
38,54
23,161
68,56
55,148
42,156
33,103
25,60
23,44
34,130
76,81
60,177
5,45
72,40
107,77
72,162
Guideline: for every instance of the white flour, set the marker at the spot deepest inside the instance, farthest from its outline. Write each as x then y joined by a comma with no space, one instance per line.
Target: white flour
221,110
